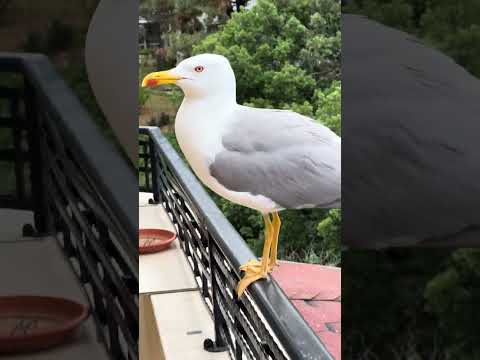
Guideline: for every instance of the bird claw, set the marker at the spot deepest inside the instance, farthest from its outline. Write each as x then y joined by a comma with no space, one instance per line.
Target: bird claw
273,264
257,265
253,272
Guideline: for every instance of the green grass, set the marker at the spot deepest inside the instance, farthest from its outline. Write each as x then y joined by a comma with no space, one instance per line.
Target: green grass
164,99
159,102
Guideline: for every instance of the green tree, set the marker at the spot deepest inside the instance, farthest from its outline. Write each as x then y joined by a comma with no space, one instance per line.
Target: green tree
385,312
281,51
451,26
452,297
185,22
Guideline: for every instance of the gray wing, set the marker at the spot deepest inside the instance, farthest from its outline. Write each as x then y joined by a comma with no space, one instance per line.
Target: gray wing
283,156
411,149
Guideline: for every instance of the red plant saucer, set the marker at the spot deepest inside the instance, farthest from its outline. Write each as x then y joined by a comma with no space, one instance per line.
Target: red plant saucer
154,240
31,323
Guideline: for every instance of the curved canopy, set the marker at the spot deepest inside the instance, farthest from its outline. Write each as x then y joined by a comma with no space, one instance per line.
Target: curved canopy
111,56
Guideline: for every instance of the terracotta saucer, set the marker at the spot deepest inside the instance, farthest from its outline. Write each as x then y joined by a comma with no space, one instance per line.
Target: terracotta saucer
154,240
31,323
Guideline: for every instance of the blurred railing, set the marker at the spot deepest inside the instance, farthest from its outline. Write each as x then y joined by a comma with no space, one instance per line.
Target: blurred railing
261,325
55,162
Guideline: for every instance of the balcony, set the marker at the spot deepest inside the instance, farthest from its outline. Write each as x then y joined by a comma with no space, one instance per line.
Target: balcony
70,228
67,198
188,292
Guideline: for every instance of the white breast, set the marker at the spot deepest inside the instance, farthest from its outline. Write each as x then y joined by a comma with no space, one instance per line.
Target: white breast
198,131
198,134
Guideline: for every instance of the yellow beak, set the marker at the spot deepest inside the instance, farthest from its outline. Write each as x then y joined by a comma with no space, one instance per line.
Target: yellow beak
160,78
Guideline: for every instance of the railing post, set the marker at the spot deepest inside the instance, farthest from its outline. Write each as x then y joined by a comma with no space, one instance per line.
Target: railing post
42,218
153,169
17,144
219,344
147,163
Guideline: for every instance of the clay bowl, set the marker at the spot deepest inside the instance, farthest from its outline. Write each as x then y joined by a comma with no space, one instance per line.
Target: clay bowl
154,240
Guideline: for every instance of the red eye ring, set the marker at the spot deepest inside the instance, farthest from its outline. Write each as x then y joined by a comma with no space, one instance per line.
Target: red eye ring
199,68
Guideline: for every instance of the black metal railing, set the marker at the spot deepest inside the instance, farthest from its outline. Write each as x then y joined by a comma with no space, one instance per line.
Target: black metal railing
261,325
81,190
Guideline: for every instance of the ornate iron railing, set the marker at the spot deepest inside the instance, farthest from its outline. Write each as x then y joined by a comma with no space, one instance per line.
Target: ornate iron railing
261,325
57,164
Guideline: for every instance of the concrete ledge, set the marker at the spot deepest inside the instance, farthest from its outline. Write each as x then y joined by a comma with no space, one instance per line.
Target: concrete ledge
168,270
183,323
40,268
12,223
150,347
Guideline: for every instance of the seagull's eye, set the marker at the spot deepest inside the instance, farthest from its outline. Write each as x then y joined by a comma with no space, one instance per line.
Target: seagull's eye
199,68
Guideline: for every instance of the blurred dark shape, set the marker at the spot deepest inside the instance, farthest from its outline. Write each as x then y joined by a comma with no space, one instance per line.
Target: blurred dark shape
411,156
411,168
111,57
59,36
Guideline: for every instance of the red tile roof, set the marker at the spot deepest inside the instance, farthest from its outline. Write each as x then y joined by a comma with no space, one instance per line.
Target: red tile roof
315,290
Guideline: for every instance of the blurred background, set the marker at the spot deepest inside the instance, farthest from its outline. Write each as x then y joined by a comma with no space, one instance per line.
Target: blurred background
55,28
285,54
450,26
413,303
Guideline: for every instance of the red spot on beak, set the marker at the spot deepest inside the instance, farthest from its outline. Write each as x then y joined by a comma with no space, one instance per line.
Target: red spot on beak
151,82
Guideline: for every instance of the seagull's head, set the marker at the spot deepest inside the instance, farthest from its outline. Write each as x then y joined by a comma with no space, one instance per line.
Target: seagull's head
199,76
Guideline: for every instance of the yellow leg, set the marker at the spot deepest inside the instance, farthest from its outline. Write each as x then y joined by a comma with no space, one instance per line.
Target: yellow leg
255,262
253,270
276,223
276,231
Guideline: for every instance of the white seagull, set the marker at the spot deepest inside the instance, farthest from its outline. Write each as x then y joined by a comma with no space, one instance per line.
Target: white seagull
264,159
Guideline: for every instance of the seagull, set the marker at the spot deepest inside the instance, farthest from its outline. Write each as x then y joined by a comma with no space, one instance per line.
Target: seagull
265,159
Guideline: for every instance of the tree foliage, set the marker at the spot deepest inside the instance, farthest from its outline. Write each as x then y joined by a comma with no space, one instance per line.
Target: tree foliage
452,297
450,26
281,51
423,301
185,22
384,314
